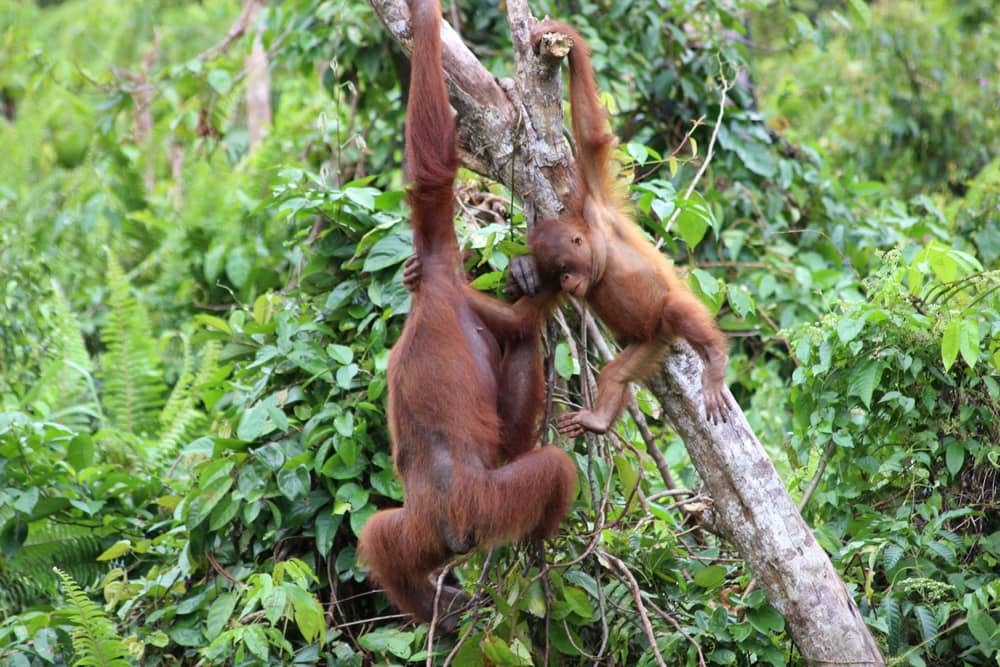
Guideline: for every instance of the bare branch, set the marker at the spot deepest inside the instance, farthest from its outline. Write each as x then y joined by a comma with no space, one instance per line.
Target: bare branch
258,86
237,30
438,585
633,587
723,97
677,626
814,482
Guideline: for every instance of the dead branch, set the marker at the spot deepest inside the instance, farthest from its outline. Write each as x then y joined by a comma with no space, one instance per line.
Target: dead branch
237,30
633,587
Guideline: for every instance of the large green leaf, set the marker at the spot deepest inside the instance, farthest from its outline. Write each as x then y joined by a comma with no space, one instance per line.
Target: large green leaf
390,250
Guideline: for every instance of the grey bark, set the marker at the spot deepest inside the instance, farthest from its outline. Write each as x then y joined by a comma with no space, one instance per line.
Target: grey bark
498,136
258,72
753,510
513,134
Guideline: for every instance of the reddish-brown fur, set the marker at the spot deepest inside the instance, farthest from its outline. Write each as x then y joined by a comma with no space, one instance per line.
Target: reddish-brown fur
465,384
597,251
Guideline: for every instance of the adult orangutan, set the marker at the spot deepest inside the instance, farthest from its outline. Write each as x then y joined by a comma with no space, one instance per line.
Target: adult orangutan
463,410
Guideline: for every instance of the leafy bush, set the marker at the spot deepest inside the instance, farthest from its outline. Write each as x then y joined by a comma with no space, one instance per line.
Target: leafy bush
897,397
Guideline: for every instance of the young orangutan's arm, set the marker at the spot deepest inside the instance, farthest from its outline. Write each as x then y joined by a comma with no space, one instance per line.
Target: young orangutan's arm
633,363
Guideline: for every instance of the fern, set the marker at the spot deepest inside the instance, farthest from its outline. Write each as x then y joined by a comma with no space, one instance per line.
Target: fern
27,578
95,638
180,413
67,373
133,385
180,395
68,335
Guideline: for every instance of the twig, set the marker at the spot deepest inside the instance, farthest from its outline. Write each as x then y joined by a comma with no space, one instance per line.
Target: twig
568,333
551,332
603,605
237,30
654,165
547,590
331,613
732,264
221,570
374,619
726,87
487,563
814,482
434,618
633,587
636,492
672,621
671,492
458,644
597,658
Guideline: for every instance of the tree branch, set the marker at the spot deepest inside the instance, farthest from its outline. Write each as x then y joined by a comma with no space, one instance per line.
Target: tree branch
497,120
258,93
758,515
237,30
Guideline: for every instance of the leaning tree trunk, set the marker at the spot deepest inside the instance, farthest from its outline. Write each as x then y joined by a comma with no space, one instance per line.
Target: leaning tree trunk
751,507
511,131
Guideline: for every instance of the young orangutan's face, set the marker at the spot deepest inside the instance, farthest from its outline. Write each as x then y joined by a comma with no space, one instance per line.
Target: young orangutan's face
562,249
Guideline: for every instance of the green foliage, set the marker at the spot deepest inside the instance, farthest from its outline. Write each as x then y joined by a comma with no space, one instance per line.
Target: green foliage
901,93
133,389
95,638
909,443
193,348
65,378
279,598
28,577
180,414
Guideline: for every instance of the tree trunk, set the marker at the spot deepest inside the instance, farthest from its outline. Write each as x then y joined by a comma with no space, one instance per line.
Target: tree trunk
512,132
753,510
258,85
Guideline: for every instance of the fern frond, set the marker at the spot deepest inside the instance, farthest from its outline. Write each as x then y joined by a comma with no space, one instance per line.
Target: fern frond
68,332
66,375
27,578
928,626
893,616
181,414
133,384
180,395
95,638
